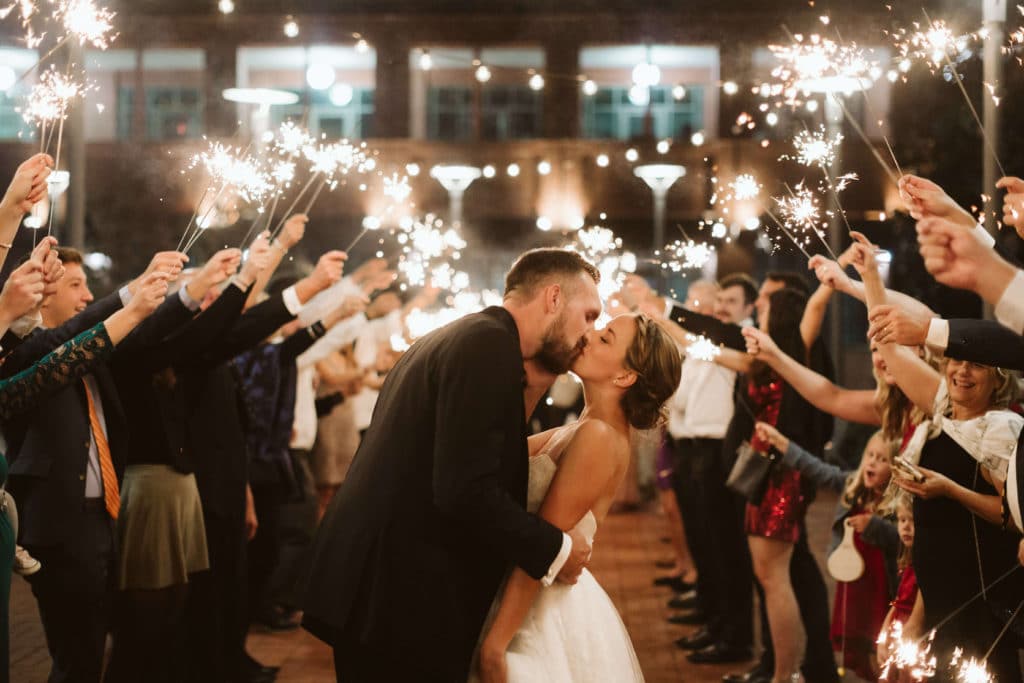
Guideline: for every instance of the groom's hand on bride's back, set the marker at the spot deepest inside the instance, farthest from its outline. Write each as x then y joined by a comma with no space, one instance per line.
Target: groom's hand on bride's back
578,560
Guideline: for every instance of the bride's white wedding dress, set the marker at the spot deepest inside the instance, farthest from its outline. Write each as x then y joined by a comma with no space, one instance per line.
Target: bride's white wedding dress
573,634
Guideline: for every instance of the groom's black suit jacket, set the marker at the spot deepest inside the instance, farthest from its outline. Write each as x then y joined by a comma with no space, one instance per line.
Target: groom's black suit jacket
414,546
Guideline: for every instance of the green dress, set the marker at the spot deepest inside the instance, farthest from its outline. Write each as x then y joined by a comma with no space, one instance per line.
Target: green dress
61,367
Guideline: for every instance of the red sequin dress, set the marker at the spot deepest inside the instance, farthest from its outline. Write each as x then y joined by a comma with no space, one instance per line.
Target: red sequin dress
783,506
906,596
860,608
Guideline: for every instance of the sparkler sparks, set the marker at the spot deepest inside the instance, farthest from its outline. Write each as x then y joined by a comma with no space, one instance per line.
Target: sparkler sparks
932,43
806,64
702,348
909,656
685,255
972,671
50,98
397,188
801,210
745,187
89,23
815,148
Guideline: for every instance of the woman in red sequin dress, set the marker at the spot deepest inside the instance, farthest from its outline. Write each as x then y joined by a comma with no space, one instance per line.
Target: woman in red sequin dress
774,523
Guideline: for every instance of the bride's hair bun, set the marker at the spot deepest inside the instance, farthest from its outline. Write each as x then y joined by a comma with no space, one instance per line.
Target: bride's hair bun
654,357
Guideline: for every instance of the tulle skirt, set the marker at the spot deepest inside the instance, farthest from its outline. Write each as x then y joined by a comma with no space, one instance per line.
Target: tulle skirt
573,634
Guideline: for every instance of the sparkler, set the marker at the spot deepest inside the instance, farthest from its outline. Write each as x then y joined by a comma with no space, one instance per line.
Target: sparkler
815,148
81,19
427,250
801,211
745,187
912,657
686,254
397,188
702,348
804,65
939,37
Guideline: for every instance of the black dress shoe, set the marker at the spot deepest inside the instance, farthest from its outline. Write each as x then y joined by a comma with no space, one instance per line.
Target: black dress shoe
688,601
719,653
694,618
695,641
676,583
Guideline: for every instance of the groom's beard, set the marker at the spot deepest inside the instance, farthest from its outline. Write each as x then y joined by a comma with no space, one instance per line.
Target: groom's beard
556,355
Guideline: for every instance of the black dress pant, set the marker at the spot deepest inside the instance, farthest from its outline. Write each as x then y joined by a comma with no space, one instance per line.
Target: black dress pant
732,619
75,592
693,479
819,664
217,611
296,523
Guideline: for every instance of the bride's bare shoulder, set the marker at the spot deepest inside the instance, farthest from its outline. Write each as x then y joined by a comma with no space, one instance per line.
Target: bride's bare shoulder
598,439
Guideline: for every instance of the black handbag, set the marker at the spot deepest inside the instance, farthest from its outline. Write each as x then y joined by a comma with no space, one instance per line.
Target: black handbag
749,475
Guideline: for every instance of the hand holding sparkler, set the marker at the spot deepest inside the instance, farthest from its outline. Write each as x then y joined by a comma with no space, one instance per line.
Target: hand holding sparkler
760,345
830,273
349,306
256,262
219,268
27,186
168,262
327,272
1013,202
957,258
151,293
925,198
293,231
22,292
894,325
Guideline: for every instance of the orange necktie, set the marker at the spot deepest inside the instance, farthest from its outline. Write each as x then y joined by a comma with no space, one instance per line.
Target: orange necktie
111,494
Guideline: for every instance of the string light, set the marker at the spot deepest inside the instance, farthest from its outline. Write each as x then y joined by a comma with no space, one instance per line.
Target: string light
536,82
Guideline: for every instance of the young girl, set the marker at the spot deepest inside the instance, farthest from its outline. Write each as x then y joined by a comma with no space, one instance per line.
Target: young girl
860,606
907,607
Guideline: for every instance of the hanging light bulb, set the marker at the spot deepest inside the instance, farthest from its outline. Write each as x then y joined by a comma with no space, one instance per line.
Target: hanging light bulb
512,170
483,74
602,160
489,171
426,61
320,76
544,167
639,95
536,82
362,46
226,6
291,28
589,88
678,93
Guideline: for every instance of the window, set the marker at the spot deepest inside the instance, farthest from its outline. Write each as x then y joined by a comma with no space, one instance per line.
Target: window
510,112
353,120
14,62
450,113
611,114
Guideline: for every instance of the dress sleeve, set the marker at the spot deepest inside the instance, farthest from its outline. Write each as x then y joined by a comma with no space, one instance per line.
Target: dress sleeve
61,367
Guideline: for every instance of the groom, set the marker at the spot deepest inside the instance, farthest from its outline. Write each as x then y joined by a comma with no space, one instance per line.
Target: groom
415,544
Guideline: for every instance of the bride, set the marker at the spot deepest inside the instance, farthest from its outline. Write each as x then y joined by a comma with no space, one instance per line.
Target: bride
573,633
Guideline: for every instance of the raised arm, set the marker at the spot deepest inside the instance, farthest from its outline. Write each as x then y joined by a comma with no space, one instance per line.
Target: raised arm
815,469
76,358
292,232
27,187
831,274
853,405
587,472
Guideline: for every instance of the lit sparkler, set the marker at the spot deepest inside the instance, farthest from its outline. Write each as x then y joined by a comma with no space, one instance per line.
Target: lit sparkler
745,187
86,21
815,148
702,348
805,64
397,188
972,671
909,656
685,255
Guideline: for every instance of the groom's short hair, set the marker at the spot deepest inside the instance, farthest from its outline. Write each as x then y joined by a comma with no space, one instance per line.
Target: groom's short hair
538,266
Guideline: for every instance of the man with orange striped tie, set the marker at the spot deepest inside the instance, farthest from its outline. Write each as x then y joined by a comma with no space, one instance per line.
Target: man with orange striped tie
66,464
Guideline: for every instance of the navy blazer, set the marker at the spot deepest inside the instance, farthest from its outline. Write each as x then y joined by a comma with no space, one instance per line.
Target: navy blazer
48,447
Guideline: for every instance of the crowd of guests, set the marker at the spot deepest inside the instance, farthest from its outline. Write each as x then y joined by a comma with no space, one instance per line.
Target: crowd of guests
170,447
928,504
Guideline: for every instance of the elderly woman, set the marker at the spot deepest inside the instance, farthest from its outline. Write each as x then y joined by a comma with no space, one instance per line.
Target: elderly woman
957,459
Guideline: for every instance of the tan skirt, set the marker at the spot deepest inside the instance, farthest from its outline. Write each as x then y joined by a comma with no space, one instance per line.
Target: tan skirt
160,528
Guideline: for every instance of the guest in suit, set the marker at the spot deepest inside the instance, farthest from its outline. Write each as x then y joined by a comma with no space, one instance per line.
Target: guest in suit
66,480
217,610
413,546
55,372
160,527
